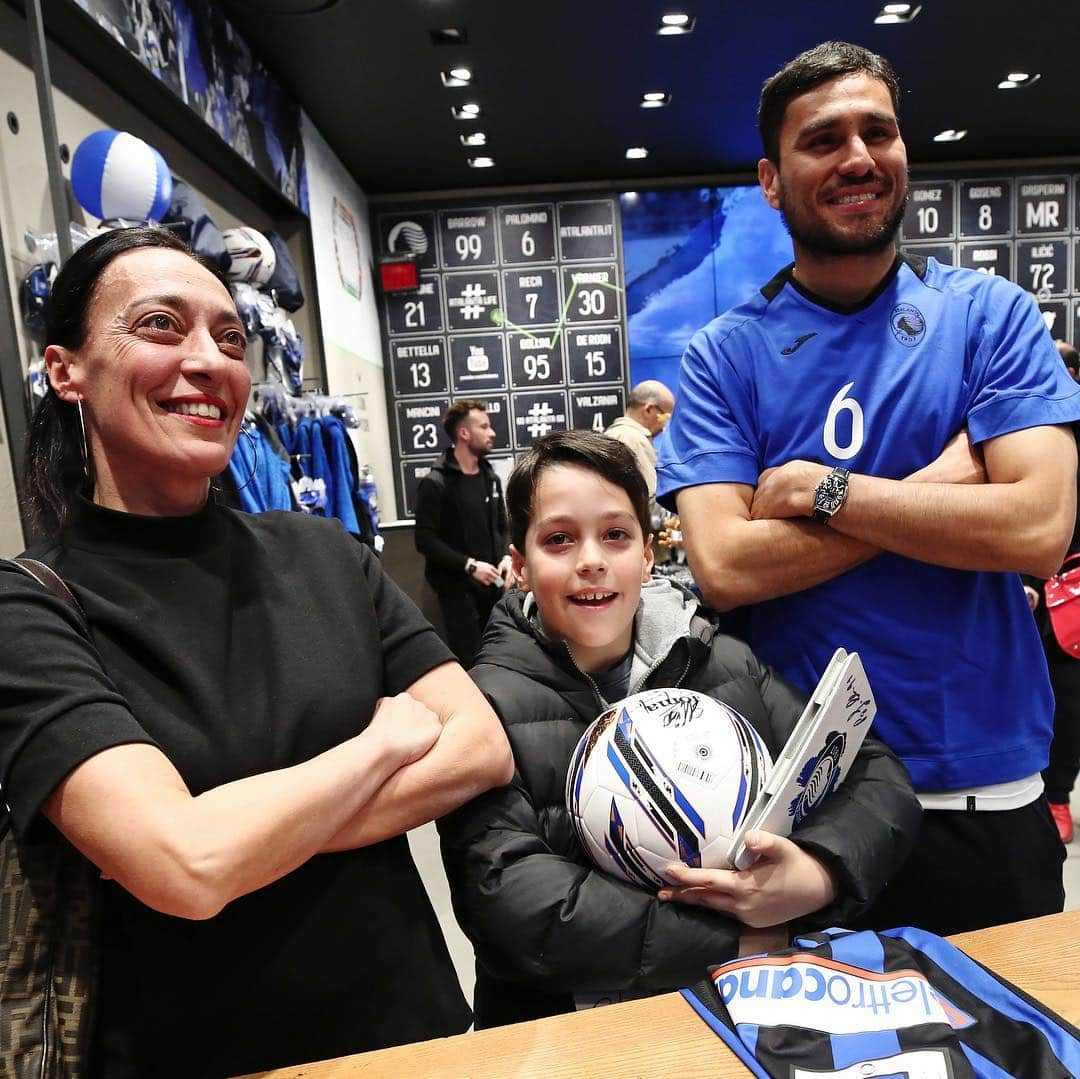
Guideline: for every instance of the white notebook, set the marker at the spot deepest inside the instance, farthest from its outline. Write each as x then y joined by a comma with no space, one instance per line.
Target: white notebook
817,756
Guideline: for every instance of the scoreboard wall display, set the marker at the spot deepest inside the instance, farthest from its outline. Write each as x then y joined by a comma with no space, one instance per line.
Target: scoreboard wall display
520,305
1023,224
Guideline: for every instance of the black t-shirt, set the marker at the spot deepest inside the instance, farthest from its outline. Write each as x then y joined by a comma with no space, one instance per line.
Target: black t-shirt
472,501
238,644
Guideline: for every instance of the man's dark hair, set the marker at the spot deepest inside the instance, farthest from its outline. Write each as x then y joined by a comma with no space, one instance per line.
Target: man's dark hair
1069,354
607,457
456,414
827,61
53,470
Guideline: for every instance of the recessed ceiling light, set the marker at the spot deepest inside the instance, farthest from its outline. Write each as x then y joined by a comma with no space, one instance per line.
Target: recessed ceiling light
655,99
456,76
449,35
469,111
1017,80
676,23
477,138
950,135
629,196
481,162
635,153
892,14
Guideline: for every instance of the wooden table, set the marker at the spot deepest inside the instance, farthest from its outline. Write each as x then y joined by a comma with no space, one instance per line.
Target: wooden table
664,1036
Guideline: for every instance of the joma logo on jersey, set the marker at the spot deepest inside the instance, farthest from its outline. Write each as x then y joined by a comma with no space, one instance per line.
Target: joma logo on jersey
908,324
822,994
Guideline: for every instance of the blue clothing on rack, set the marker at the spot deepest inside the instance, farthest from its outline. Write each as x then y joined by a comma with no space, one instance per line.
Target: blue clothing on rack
341,483
261,477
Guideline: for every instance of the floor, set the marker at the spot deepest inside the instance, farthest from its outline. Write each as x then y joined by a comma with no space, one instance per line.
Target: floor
425,847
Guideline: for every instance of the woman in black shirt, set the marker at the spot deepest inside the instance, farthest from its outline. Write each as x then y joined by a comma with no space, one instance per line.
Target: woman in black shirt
257,716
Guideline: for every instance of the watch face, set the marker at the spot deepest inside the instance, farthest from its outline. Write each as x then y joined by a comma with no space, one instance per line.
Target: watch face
830,494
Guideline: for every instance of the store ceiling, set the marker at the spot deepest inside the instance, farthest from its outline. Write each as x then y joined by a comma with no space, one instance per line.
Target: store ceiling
560,83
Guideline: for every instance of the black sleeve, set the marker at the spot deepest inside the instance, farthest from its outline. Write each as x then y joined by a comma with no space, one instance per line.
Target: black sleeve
866,828
541,917
58,707
502,525
429,500
411,647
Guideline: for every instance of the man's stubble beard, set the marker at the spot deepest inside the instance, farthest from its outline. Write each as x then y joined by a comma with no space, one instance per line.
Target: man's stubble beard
820,239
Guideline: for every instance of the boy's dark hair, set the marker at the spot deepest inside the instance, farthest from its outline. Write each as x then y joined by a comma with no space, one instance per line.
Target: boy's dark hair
456,414
607,457
827,61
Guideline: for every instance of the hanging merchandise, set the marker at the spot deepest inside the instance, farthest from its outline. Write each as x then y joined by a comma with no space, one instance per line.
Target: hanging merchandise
369,493
284,346
247,299
37,381
251,256
284,282
116,176
262,479
34,290
189,218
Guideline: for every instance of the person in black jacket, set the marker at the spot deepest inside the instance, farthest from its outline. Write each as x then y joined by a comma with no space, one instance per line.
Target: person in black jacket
550,931
461,528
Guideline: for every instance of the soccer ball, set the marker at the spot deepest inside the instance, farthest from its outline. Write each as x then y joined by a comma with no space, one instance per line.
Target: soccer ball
252,258
664,776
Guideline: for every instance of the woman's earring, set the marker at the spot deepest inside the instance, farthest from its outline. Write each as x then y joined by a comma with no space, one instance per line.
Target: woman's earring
255,455
85,447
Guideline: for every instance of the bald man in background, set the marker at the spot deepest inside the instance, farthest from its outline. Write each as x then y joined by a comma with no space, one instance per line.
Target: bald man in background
648,409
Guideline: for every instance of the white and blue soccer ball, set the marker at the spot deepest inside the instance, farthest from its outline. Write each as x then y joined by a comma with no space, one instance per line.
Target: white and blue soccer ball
664,776
252,258
117,176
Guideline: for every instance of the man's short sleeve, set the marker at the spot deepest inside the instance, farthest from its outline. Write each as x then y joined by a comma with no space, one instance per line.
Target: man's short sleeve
710,438
411,647
1018,378
58,707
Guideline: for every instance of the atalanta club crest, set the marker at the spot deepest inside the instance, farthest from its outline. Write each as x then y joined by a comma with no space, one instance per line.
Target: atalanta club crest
819,777
908,324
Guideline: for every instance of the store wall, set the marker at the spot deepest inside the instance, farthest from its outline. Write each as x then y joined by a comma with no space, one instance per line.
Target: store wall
350,321
84,104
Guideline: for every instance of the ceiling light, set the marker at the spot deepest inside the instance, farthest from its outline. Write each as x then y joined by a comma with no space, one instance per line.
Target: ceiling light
655,99
481,162
477,138
1017,80
456,76
949,135
449,35
891,14
676,23
635,153
629,197
469,111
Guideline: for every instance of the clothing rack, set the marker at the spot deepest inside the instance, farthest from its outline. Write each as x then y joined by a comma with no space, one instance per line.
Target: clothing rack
279,406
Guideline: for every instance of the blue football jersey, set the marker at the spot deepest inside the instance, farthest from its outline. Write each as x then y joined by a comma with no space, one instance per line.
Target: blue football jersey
904,1004
880,389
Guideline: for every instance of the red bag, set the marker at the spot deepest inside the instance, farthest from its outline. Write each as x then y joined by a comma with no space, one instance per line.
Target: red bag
1063,605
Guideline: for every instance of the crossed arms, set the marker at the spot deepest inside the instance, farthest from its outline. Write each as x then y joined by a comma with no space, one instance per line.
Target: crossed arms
1008,505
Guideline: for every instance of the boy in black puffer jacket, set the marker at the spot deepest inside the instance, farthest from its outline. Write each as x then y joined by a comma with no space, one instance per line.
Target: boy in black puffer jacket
551,932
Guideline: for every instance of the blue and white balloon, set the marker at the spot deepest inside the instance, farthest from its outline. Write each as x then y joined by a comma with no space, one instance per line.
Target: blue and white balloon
116,175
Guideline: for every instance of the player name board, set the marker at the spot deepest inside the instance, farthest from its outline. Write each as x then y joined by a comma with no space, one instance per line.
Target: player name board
1018,224
520,306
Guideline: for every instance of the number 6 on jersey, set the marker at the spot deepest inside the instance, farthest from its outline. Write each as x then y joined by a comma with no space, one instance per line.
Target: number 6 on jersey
839,404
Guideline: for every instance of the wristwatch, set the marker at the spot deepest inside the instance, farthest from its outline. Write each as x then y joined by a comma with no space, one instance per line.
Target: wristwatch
830,494
470,566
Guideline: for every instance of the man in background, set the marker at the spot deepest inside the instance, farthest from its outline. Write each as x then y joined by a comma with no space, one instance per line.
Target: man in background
648,409
461,528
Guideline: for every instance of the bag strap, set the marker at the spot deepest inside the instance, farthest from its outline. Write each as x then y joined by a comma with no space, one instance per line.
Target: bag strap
48,578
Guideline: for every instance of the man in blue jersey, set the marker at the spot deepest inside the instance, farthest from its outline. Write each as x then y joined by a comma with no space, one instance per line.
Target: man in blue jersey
866,454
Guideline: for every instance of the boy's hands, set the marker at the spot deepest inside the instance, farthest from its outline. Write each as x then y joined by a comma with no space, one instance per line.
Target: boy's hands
784,883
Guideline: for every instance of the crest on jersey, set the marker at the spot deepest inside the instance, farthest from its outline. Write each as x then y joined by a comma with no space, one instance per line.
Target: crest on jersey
908,324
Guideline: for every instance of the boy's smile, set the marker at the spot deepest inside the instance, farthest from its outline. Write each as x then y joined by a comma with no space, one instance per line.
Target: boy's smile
585,561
